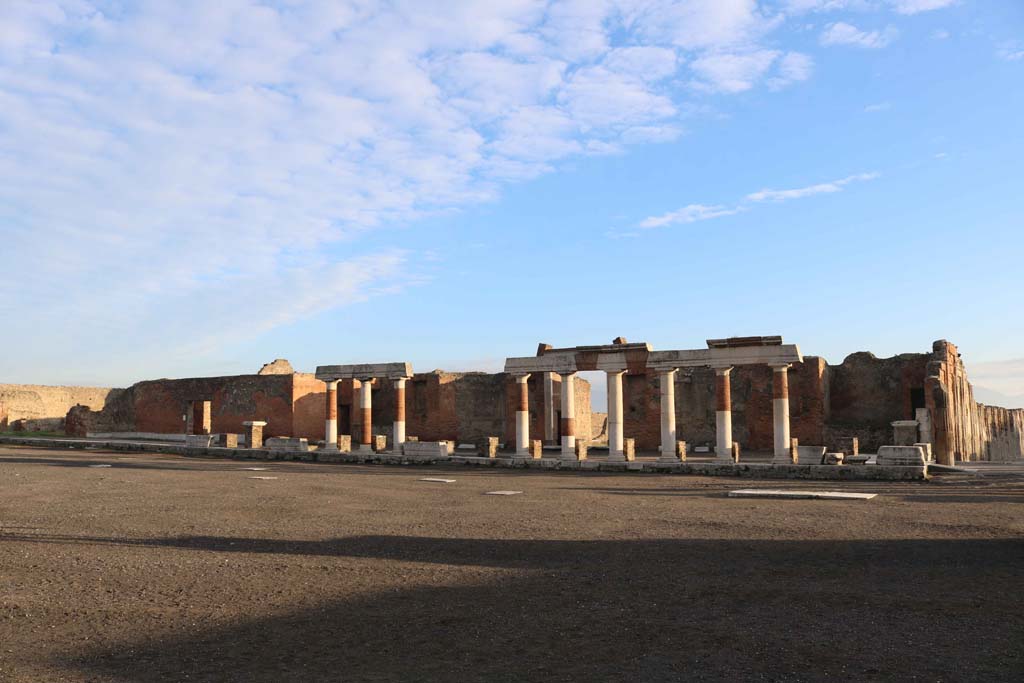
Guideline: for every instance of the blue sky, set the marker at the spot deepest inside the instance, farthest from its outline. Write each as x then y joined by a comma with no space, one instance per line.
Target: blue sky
198,188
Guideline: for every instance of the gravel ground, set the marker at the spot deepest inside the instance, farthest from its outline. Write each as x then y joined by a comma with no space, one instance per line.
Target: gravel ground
161,568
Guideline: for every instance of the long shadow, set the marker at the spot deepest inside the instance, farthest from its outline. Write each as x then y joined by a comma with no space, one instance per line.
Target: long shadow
658,610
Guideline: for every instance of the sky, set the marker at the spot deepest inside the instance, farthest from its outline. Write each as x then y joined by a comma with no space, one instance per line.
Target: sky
197,188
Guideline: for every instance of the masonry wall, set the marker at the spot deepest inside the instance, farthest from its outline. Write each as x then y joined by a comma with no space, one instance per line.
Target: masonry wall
309,406
44,407
160,404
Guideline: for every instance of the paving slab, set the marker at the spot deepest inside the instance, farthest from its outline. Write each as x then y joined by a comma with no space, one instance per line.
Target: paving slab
783,493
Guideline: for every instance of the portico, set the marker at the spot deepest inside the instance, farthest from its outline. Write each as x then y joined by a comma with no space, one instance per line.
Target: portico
366,374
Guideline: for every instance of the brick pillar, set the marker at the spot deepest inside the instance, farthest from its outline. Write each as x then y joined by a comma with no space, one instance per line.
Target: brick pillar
522,416
331,413
366,414
667,381
615,422
399,425
723,415
568,416
780,414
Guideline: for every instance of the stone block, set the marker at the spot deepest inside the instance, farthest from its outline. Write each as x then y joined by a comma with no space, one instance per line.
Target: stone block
901,456
702,449
536,449
491,447
433,449
581,451
345,443
810,455
412,438
629,449
905,432
380,443
834,458
735,452
198,440
927,447
681,450
282,444
227,440
794,451
855,459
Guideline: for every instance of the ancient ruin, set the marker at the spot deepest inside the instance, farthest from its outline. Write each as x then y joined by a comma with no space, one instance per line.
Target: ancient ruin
750,397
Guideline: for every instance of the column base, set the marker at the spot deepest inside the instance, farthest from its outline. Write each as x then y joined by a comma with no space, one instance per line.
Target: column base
568,457
616,457
329,449
782,460
364,448
668,459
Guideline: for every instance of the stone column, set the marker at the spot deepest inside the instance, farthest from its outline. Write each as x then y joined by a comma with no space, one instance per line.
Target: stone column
522,416
399,426
366,414
549,406
723,415
331,419
669,451
569,416
615,422
780,414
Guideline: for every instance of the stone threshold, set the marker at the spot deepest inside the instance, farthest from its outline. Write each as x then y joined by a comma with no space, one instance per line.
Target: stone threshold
743,470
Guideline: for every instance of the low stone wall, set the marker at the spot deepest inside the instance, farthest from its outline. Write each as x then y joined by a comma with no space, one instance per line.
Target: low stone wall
739,470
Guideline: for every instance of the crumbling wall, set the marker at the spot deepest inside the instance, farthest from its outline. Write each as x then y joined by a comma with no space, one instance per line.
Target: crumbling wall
1002,432
309,405
160,404
44,407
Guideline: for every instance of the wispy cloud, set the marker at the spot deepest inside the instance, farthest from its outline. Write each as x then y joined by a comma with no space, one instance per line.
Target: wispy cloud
688,214
880,106
917,6
693,213
842,33
768,195
1010,51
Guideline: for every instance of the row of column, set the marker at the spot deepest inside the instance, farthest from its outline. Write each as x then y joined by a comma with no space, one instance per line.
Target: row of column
723,414
365,413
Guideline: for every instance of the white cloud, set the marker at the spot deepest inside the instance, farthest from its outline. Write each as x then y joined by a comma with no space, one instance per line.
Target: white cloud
687,214
842,33
915,6
800,192
1010,51
880,106
1004,376
940,34
732,72
793,67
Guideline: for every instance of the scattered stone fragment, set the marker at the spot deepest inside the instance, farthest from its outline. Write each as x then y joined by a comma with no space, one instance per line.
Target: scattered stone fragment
255,469
439,481
99,465
267,478
502,493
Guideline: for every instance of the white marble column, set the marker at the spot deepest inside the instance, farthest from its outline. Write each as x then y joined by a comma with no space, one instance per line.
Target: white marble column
366,414
569,415
331,416
522,416
780,413
615,421
667,382
399,424
723,415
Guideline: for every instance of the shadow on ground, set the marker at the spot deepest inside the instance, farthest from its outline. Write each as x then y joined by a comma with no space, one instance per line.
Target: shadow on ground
644,610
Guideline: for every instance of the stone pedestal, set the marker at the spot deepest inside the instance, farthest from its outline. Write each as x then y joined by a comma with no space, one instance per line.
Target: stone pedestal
810,455
536,449
735,452
227,440
629,450
491,447
254,433
581,451
345,443
380,443
905,433
901,456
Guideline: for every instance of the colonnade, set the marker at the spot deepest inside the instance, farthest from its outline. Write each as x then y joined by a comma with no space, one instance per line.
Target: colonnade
366,375
669,438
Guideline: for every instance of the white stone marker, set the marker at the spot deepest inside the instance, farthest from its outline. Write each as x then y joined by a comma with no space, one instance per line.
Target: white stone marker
502,493
783,493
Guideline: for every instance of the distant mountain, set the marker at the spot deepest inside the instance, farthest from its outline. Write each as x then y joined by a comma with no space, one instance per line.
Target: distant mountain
997,398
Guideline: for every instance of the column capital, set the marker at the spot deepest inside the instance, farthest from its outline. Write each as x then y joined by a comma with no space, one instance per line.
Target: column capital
780,367
570,373
722,370
522,378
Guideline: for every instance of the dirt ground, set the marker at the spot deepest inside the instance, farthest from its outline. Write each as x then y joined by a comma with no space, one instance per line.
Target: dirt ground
162,568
